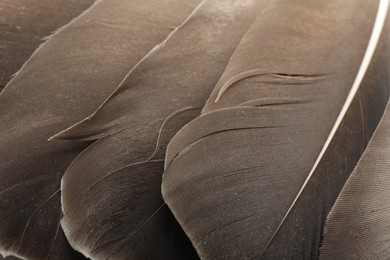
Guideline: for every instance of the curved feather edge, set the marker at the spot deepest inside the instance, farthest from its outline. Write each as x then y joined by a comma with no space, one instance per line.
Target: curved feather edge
197,158
356,227
372,44
24,24
87,129
47,38
31,167
146,111
80,131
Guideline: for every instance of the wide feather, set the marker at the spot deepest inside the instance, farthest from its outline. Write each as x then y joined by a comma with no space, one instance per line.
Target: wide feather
358,224
63,82
256,174
23,24
158,97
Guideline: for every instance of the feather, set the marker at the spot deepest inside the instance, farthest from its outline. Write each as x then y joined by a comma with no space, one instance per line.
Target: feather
256,174
133,128
23,24
357,226
63,82
9,258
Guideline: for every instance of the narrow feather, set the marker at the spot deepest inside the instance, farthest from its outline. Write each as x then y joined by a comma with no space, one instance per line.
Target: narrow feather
23,24
134,125
239,178
357,226
64,81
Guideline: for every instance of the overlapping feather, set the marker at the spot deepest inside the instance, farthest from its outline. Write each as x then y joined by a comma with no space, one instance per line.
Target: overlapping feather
357,226
160,95
296,99
23,24
255,175
63,82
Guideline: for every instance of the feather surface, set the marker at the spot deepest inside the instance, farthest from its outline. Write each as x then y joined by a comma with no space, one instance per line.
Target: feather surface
256,174
23,24
133,127
63,82
357,226
9,258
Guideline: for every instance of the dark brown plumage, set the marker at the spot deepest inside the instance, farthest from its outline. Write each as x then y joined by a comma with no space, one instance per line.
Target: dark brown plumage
23,24
357,226
65,80
133,127
255,175
257,111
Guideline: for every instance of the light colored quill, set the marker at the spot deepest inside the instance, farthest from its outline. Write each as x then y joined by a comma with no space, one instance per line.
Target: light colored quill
255,175
357,226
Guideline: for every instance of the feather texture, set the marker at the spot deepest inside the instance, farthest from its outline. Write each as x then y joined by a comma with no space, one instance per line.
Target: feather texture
357,226
23,24
133,127
9,258
255,175
63,82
